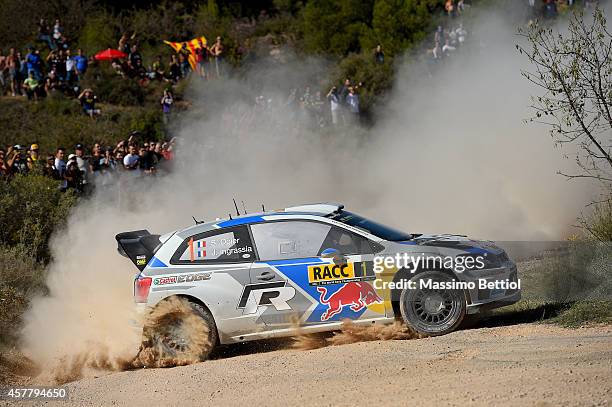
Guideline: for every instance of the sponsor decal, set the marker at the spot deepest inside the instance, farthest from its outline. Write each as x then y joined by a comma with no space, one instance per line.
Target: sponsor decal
182,278
354,295
322,274
165,280
141,260
275,294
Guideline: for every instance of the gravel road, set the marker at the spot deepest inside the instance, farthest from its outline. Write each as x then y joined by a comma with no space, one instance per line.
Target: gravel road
527,364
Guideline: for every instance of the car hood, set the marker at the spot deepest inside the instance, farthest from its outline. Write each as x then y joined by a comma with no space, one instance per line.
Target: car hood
458,242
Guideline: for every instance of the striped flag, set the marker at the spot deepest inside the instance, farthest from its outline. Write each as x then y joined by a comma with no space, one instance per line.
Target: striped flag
190,46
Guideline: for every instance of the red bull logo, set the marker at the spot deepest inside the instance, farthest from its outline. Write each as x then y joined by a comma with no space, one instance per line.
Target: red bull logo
355,295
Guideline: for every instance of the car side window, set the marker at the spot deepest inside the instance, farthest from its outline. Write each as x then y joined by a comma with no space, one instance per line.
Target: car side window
346,242
231,245
289,239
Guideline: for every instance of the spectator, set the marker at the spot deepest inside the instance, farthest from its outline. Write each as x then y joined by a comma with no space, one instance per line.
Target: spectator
147,161
217,51
334,102
49,169
58,32
352,100
82,161
73,175
80,63
13,64
447,48
166,102
460,7
175,69
60,166
32,159
17,161
52,83
70,67
3,66
158,152
134,57
44,33
108,162
184,64
95,160
379,55
88,102
461,33
131,161
33,88
23,70
449,7
124,45
4,172
159,70
34,63
54,61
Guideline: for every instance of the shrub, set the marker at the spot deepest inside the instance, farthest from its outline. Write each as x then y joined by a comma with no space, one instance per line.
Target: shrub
31,208
21,277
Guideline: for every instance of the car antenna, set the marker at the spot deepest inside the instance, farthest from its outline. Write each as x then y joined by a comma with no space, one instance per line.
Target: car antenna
244,208
230,215
263,209
197,222
236,206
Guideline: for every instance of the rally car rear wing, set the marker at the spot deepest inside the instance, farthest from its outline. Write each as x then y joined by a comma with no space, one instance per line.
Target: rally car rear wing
139,246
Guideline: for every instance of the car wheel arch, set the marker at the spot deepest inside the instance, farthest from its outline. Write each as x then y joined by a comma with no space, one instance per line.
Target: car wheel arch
404,273
197,301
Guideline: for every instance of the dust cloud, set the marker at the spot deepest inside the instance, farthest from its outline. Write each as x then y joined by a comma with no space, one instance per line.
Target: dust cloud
351,333
449,153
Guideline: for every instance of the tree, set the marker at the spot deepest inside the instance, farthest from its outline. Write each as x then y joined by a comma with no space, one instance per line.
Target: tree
574,70
399,24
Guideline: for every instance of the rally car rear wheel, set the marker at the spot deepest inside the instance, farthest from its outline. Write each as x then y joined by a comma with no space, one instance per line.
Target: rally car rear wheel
179,332
432,311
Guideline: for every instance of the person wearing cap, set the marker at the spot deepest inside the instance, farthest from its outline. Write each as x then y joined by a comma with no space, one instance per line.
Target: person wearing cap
73,175
82,161
16,161
32,156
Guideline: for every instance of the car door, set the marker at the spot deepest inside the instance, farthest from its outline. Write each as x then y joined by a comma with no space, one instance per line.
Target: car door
344,281
314,289
286,249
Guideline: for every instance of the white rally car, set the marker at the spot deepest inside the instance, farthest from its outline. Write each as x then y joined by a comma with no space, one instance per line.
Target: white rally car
259,275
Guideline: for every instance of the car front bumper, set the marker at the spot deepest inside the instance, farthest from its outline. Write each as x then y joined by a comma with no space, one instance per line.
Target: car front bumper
482,297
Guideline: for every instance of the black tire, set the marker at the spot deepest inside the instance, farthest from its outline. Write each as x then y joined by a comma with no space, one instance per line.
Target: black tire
433,312
178,332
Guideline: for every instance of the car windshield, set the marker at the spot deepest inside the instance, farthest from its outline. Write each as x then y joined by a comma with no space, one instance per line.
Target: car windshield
382,231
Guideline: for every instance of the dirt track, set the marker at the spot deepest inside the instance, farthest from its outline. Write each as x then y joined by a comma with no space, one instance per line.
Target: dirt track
530,364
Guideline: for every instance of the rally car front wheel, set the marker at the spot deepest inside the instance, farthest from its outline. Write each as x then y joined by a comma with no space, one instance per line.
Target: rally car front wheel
432,311
178,332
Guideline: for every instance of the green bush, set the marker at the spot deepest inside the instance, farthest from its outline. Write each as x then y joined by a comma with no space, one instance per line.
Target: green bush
21,277
31,208
599,223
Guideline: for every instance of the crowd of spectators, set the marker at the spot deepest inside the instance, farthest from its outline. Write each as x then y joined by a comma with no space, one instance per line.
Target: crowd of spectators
37,73
83,168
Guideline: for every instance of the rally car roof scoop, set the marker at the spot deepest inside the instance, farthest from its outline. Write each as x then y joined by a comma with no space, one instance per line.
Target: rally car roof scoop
139,246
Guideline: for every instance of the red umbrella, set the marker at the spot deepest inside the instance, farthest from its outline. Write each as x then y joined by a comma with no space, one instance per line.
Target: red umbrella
109,54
